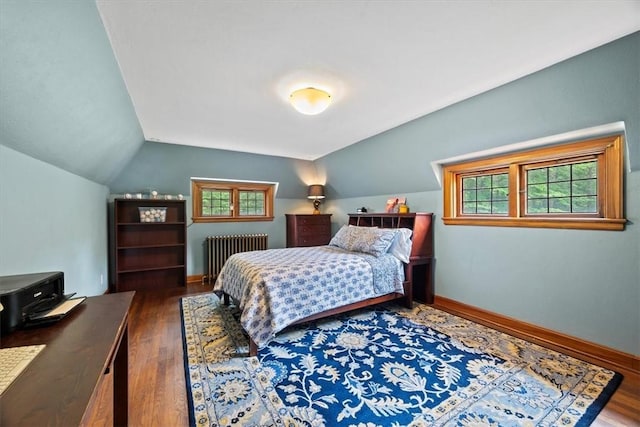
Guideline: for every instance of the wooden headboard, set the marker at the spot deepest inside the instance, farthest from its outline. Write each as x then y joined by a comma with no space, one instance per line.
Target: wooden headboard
420,223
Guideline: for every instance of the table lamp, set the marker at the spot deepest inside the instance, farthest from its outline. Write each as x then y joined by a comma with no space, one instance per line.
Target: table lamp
316,193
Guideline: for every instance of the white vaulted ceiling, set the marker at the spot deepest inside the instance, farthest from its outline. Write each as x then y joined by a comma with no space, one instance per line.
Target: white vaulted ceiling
218,73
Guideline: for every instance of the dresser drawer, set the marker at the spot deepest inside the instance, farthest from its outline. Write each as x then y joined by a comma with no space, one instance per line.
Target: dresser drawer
312,241
310,220
311,230
308,230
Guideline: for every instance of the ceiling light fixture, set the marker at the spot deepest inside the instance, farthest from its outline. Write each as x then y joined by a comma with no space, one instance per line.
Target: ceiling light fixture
310,100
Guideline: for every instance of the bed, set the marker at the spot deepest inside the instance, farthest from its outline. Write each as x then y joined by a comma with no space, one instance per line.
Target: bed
373,259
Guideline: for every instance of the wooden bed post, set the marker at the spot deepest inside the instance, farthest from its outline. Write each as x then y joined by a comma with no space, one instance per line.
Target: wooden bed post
408,290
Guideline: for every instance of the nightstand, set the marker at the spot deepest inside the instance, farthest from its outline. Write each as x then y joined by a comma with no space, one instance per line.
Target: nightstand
308,230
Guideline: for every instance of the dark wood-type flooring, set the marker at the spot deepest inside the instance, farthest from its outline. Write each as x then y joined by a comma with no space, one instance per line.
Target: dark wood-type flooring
157,388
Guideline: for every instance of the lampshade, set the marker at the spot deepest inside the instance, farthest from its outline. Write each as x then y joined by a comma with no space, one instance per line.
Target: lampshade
310,100
316,191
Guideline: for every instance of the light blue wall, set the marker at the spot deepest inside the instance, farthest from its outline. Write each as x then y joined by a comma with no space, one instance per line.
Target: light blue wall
52,220
582,283
64,103
168,168
63,98
595,88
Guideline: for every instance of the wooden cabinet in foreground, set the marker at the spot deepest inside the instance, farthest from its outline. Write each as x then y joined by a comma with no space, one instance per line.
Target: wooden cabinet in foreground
148,244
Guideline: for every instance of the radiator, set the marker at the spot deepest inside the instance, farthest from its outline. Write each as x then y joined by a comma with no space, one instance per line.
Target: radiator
219,248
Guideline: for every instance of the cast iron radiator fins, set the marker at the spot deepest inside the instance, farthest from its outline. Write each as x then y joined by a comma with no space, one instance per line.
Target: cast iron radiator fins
219,248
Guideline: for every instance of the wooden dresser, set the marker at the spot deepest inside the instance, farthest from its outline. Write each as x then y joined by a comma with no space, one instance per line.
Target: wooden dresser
308,230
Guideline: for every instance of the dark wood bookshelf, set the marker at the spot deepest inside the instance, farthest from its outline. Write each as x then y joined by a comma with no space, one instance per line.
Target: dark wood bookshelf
147,255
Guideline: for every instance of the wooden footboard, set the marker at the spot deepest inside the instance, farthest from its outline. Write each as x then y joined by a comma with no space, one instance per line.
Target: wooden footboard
407,302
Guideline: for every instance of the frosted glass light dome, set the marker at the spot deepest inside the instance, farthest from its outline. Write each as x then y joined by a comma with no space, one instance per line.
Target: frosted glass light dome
310,100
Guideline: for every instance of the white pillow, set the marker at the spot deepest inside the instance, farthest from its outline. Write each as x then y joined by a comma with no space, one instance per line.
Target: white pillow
401,245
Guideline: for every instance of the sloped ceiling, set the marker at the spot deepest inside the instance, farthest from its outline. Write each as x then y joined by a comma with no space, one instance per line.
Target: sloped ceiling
63,100
219,73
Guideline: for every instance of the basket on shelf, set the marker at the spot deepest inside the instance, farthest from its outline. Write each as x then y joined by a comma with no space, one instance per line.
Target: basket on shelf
155,214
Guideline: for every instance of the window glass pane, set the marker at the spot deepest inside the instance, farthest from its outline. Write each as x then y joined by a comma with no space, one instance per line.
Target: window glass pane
559,173
484,181
221,195
484,208
537,206
560,189
484,195
469,208
537,191
585,204
500,180
491,189
585,187
469,195
206,197
571,188
251,203
500,207
469,182
216,203
499,194
584,170
560,205
536,176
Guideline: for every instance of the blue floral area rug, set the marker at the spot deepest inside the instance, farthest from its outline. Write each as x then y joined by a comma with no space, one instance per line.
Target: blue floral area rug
386,366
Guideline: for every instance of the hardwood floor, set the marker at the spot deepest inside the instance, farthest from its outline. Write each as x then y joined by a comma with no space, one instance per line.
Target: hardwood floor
157,388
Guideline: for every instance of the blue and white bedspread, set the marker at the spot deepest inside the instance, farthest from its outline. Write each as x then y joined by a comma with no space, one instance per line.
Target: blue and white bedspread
277,287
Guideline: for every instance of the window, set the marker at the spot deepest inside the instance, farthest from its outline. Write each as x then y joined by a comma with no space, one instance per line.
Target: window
225,201
575,185
486,193
562,189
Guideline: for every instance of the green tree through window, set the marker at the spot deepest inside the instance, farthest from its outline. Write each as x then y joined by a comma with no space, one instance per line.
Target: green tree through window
486,194
571,188
223,201
574,185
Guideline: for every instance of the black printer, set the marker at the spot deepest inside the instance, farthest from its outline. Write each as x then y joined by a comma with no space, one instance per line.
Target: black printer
25,295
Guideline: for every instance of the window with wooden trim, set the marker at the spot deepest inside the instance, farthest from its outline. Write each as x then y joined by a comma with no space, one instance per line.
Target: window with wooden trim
576,185
227,201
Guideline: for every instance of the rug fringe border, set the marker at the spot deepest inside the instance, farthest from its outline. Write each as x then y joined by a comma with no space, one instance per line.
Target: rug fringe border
185,361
